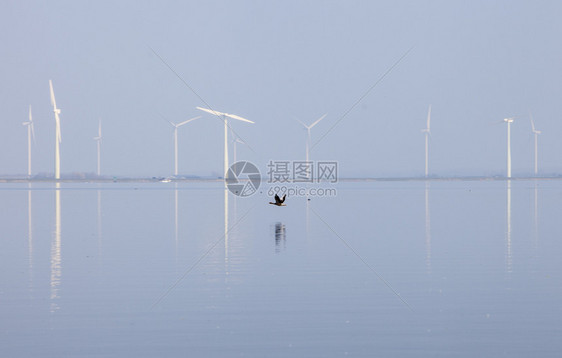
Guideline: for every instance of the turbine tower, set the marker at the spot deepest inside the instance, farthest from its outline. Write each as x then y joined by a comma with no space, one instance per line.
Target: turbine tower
98,140
30,134
536,133
225,117
509,121
427,133
176,126
308,128
57,132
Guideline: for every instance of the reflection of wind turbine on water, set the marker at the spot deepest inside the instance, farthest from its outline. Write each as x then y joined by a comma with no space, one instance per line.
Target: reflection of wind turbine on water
30,135
427,229
224,117
536,134
30,236
226,226
176,126
176,219
99,223
308,137
58,137
536,216
427,133
508,228
56,253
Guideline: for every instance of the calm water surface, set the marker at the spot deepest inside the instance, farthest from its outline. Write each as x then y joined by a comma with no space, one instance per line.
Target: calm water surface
147,270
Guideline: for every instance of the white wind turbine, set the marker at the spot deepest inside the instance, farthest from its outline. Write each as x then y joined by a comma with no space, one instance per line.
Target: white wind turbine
57,132
427,133
308,128
30,134
176,126
98,140
536,133
509,121
225,117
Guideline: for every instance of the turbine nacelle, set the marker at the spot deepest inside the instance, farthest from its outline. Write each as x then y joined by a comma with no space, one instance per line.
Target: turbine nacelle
313,124
509,120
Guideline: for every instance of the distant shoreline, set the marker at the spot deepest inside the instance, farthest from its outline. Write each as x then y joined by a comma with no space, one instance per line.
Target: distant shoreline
210,180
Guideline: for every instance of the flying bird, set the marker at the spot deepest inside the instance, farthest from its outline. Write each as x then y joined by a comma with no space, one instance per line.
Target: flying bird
278,201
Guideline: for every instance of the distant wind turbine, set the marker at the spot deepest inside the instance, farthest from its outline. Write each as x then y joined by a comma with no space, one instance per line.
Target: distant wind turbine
225,117
58,138
235,141
308,128
176,126
509,121
427,133
98,140
30,134
536,133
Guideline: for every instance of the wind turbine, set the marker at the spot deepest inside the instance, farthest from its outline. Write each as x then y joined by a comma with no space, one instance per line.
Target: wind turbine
427,133
308,128
509,121
234,143
536,133
176,126
225,117
98,140
30,134
57,132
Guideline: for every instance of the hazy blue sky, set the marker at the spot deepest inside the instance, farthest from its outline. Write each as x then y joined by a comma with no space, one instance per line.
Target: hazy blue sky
272,62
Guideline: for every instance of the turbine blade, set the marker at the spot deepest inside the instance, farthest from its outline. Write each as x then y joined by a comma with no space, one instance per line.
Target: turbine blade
318,120
215,113
532,122
99,128
304,125
53,102
428,117
189,120
166,120
234,116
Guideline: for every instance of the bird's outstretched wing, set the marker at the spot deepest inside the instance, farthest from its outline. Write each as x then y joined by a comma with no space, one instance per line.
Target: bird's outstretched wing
282,200
277,200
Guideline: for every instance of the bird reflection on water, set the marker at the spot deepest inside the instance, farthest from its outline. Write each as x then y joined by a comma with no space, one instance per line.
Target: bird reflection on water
280,235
